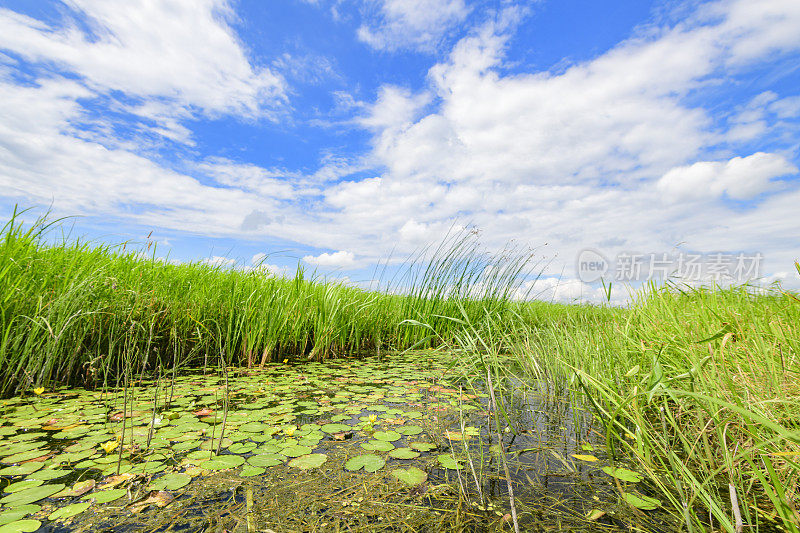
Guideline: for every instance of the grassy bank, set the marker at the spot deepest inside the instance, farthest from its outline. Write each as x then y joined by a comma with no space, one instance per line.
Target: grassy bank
699,388
75,312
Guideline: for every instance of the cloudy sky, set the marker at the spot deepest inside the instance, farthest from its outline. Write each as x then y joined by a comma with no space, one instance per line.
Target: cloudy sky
338,132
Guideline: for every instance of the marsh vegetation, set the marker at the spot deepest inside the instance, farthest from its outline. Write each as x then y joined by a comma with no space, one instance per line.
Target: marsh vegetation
147,396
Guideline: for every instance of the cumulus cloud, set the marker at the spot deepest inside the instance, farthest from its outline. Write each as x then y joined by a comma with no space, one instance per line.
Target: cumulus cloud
411,24
218,261
177,57
740,178
340,259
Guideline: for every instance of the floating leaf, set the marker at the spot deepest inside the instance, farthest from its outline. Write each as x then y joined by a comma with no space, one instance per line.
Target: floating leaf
18,513
223,462
21,470
266,460
623,474
335,428
21,526
388,436
423,446
448,462
170,482
22,485
640,501
370,463
412,476
590,458
307,462
410,430
595,514
112,481
69,511
377,446
250,471
31,495
404,453
296,450
78,489
160,498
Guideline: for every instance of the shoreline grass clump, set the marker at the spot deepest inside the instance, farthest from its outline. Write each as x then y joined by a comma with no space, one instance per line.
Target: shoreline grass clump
698,387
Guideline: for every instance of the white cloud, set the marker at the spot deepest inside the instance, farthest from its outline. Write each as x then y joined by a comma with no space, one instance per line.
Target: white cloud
412,24
740,178
180,56
218,261
340,259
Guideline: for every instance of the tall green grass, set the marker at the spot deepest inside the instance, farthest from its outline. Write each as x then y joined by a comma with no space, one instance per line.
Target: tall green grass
700,388
74,311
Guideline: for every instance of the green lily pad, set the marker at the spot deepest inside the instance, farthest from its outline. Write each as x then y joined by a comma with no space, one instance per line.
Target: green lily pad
409,430
370,463
186,445
623,474
21,526
250,471
242,447
18,513
49,473
223,462
412,476
447,461
171,482
423,446
22,485
403,453
307,462
266,460
105,496
296,450
69,511
377,446
640,501
388,436
335,428
31,495
21,470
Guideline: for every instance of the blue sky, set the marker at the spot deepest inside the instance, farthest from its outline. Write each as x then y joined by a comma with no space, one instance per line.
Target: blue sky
334,133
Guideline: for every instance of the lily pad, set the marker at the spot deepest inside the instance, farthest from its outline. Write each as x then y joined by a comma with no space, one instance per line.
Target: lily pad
403,453
31,495
411,476
410,430
307,462
335,428
448,462
170,482
18,513
223,462
388,436
377,446
266,460
640,501
22,485
423,446
623,474
69,511
250,471
369,462
296,450
21,526
21,470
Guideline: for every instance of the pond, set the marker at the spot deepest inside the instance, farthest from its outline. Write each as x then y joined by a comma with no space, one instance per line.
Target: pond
402,443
